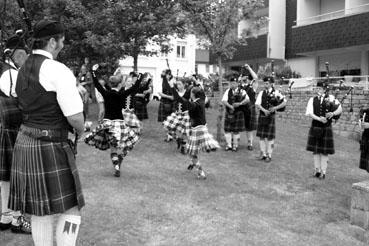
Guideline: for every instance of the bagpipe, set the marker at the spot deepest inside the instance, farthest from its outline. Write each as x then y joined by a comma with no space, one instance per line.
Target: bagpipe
274,99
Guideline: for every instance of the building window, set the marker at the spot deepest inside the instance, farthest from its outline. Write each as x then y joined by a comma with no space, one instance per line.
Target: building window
181,49
207,68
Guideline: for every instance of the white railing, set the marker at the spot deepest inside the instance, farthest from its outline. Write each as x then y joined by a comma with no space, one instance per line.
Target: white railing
359,82
333,15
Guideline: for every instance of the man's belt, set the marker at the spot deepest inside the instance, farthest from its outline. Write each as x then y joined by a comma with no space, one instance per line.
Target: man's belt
50,135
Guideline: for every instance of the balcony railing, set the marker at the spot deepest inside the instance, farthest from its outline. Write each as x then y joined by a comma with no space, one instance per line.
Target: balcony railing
333,15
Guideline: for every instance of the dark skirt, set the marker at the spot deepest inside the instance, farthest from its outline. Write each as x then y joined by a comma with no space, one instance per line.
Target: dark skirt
321,145
250,118
44,177
141,109
234,122
364,151
7,141
165,109
266,127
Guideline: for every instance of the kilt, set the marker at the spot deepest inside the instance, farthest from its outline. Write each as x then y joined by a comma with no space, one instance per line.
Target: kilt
141,109
266,130
44,177
235,124
113,133
364,148
131,120
7,141
178,121
250,118
200,139
10,114
165,109
323,145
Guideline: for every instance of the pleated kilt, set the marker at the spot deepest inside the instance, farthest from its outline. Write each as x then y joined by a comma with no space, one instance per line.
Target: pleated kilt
44,177
10,120
250,118
7,141
200,140
178,121
131,120
266,130
113,133
323,145
141,109
165,109
235,124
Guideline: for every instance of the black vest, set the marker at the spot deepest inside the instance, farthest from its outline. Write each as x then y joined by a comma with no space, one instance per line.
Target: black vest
180,106
235,97
250,93
320,109
40,108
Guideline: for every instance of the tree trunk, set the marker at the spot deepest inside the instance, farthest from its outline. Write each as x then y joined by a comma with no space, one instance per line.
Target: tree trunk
135,61
220,104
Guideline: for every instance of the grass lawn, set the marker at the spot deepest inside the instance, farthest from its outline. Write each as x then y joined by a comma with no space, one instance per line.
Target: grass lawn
156,201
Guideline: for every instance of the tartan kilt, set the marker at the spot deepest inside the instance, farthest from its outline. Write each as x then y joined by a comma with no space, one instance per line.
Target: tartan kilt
324,145
44,177
165,109
141,109
364,148
266,130
7,141
178,121
250,118
237,124
131,120
10,114
200,139
113,133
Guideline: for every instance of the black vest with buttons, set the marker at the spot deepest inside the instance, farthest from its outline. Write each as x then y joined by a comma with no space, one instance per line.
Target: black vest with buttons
180,107
320,109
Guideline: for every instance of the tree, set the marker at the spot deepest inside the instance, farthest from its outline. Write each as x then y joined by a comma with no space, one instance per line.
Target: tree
216,21
137,24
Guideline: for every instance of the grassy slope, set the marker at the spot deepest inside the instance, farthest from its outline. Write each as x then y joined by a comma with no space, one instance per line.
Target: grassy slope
243,201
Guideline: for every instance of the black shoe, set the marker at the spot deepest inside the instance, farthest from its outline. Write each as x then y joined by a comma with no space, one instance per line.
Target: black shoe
317,174
268,159
228,148
190,167
234,149
20,229
4,226
262,158
322,176
117,173
250,147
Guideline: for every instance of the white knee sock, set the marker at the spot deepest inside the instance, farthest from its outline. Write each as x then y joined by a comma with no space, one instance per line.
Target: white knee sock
7,216
67,229
270,147
262,146
317,162
324,163
228,138
236,138
250,138
42,230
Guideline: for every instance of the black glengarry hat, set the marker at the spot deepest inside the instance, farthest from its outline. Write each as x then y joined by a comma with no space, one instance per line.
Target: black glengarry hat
47,28
15,42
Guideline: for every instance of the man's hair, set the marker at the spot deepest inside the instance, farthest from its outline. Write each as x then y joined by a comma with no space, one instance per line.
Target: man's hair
198,92
41,43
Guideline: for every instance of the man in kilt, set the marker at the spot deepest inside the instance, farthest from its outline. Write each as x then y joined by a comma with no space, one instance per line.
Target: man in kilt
166,106
120,127
199,138
269,101
10,121
44,178
234,122
248,83
321,108
179,120
142,97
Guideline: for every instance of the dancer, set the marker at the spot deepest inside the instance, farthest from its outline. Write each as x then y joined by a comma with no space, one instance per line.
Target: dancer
269,101
179,120
321,108
115,131
44,178
166,107
199,138
10,121
234,121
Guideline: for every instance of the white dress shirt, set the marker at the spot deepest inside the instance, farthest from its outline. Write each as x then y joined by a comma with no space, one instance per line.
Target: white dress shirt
5,79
